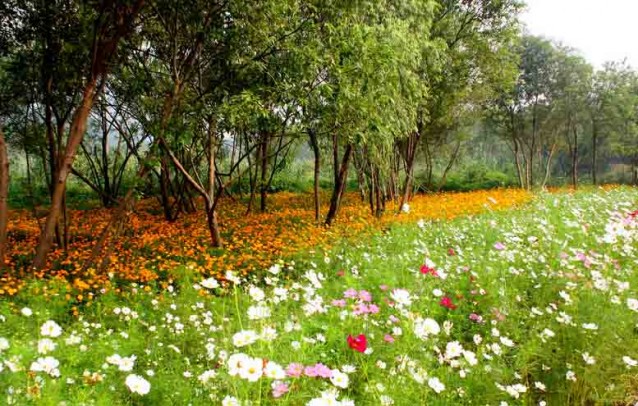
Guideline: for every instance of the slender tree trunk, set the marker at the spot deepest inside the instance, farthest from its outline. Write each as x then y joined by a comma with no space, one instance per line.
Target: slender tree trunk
361,179
263,187
76,134
548,166
594,153
211,213
4,198
413,141
339,187
378,193
314,143
575,160
335,157
455,154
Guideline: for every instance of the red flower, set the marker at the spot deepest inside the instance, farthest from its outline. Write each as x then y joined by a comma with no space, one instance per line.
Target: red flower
359,343
633,214
447,303
451,252
426,270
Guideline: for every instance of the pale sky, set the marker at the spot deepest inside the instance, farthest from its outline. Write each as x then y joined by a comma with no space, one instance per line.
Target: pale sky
602,30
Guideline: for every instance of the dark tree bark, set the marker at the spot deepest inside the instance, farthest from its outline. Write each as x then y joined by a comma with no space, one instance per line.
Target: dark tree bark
339,187
575,159
4,198
314,143
263,184
410,153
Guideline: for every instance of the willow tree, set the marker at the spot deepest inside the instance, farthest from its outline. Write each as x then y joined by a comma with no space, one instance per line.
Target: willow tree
470,55
371,87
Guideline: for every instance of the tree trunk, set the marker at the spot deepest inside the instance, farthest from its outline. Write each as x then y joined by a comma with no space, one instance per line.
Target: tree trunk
455,154
413,141
594,153
213,227
339,187
314,143
76,134
263,187
4,197
335,158
548,165
575,160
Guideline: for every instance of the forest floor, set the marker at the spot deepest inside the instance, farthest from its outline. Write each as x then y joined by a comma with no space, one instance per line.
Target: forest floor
455,302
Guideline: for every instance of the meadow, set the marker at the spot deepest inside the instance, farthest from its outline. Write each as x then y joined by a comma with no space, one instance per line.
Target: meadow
483,298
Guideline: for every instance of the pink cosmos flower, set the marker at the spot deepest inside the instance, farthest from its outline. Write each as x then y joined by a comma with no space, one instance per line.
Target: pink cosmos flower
383,287
388,338
323,371
310,371
475,317
279,389
365,296
294,370
339,303
499,246
360,308
373,309
350,293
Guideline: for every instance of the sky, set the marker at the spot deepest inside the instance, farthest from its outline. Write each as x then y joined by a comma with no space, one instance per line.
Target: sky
602,30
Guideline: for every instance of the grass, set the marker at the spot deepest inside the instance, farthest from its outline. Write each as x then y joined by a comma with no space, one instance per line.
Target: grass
540,308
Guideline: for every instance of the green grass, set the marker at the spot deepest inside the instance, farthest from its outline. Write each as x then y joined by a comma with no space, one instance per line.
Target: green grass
555,273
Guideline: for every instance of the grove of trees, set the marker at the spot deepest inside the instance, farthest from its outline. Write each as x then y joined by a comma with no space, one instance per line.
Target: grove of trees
193,101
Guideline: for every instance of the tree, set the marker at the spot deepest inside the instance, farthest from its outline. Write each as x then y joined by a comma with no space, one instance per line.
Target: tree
113,20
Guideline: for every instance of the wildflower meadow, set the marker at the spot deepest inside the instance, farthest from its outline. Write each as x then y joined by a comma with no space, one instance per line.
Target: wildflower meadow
535,305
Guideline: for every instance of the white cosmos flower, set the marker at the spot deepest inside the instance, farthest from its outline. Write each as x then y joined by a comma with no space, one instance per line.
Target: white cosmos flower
51,329
632,304
629,361
453,349
339,379
275,269
47,365
470,357
235,362
46,345
589,360
274,371
401,297
244,338
206,376
256,294
251,369
258,312
436,385
137,384
26,312
210,283
230,401
230,276
507,342
4,344
423,328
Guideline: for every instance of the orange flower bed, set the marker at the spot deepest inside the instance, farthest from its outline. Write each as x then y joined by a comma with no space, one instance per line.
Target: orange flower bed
149,248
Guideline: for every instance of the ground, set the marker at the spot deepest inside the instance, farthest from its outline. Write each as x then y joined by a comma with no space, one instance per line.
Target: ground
532,305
